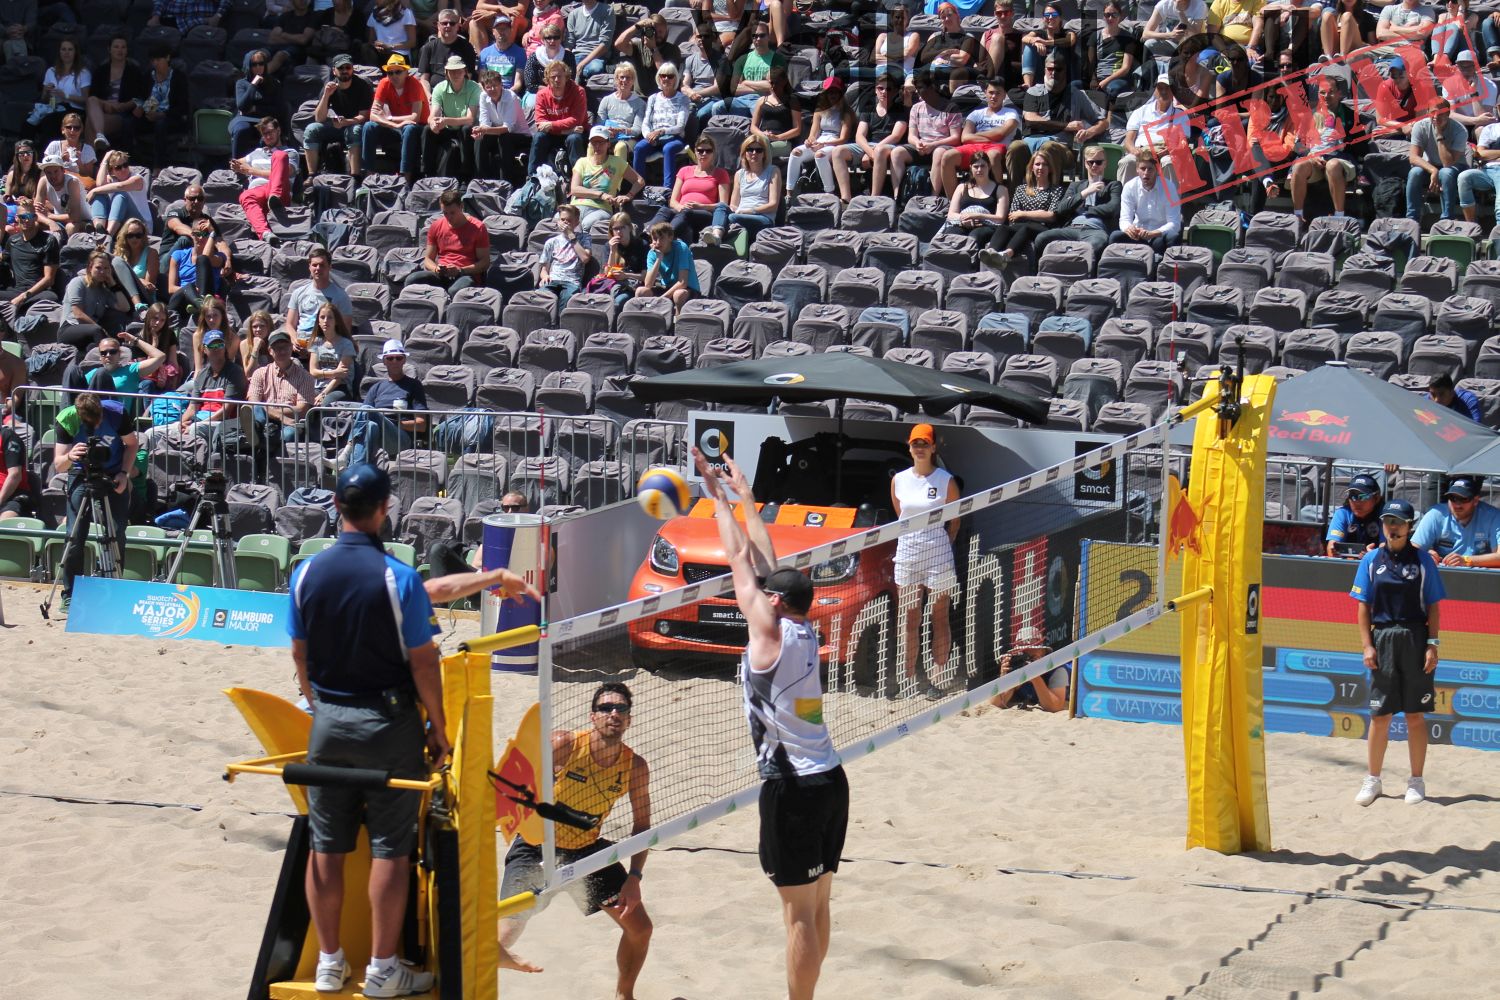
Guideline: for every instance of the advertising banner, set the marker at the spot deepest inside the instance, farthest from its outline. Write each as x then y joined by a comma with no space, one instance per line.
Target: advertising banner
171,611
1314,674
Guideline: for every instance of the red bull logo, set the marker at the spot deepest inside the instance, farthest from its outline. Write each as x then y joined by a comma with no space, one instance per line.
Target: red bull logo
510,816
1184,524
1313,423
1313,418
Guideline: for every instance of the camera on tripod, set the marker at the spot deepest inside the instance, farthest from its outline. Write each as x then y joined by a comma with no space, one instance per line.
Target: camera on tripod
96,457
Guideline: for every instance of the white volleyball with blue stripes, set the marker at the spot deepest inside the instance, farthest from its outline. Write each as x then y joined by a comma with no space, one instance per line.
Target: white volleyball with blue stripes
663,493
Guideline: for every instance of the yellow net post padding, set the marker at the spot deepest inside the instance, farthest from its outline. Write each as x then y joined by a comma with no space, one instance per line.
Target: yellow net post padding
1217,527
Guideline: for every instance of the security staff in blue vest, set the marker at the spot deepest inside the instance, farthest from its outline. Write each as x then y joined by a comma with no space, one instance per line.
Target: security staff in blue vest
1398,590
362,631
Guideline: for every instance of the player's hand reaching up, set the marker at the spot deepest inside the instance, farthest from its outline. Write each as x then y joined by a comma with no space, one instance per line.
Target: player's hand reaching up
737,480
711,484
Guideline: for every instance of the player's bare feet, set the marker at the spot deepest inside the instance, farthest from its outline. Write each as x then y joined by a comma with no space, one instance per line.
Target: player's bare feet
509,961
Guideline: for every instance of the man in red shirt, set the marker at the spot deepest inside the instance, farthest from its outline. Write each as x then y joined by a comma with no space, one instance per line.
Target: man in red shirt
458,248
399,110
1396,101
562,117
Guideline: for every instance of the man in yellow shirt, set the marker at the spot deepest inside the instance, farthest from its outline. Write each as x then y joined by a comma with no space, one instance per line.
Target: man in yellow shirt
1240,22
592,769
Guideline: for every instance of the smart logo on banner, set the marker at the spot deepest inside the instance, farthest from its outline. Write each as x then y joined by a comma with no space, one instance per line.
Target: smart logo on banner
715,439
1097,483
170,611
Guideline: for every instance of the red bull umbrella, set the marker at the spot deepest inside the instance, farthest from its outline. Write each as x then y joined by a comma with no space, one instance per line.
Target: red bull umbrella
1339,413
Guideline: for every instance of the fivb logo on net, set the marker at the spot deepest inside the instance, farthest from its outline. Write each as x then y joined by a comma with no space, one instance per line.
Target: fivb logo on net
1360,74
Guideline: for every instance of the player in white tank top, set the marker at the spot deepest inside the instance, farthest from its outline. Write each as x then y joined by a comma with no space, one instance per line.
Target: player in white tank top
924,559
804,795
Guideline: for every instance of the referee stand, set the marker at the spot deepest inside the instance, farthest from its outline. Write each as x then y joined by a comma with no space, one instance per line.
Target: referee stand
452,912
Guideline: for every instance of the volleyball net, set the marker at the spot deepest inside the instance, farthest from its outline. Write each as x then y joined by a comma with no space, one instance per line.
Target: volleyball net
890,669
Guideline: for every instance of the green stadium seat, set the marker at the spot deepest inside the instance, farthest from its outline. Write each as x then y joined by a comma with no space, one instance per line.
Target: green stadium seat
52,550
18,553
1459,249
197,569
309,548
1219,239
406,553
144,545
261,561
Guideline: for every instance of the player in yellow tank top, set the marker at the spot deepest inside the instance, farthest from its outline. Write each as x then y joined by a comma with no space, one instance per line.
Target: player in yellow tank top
582,781
592,769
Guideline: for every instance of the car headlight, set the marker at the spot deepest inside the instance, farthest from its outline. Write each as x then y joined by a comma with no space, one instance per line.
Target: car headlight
840,570
664,556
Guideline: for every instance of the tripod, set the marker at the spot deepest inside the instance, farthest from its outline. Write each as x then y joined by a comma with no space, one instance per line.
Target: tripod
95,510
214,508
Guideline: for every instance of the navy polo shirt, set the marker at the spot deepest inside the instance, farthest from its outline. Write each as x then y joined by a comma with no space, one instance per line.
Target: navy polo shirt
1345,528
1398,586
359,610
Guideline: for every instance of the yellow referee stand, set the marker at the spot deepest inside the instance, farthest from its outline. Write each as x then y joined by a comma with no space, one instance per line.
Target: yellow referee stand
452,912
1216,527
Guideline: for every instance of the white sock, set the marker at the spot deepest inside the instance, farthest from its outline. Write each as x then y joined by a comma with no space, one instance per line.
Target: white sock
330,957
381,965
1338,215
1298,213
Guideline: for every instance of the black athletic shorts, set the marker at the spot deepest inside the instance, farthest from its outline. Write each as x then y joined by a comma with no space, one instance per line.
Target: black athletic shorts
1399,683
802,826
592,893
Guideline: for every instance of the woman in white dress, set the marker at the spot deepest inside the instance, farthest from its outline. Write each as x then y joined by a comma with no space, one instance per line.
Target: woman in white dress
924,559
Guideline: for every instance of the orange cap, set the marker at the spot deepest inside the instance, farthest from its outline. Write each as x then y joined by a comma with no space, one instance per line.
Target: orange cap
922,432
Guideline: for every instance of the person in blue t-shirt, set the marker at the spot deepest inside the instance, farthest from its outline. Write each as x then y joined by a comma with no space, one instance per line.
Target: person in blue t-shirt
1463,530
670,270
504,56
1398,590
1461,401
1355,527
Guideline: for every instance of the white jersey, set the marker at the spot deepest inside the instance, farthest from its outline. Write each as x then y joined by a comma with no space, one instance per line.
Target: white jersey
918,494
784,706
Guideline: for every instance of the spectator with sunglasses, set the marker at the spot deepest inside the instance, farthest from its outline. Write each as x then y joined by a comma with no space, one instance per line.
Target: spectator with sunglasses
257,96
697,191
538,60
1111,53
164,112
32,256
77,156
432,59
1463,530
196,272
1091,205
664,125
751,79
136,264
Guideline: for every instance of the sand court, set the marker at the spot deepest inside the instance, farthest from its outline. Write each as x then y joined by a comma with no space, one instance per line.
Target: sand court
996,854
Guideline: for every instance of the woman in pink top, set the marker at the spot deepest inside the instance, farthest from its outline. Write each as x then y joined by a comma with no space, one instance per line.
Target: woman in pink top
696,192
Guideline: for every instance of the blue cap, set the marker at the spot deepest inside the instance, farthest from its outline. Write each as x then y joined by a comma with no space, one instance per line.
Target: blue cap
1363,487
1208,57
1396,62
1398,509
1463,487
362,484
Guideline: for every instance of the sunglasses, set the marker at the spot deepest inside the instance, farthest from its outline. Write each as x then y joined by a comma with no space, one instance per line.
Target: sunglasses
398,72
135,236
1052,17
552,38
659,76
1094,163
71,128
1362,496
1463,500
513,507
109,354
705,150
24,216
193,197
257,62
613,708
756,152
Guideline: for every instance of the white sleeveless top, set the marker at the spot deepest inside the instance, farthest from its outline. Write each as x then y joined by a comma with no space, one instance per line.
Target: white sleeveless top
784,706
755,190
917,495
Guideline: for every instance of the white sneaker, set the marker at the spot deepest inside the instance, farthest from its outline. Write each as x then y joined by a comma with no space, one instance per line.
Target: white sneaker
401,979
332,976
1416,791
1369,791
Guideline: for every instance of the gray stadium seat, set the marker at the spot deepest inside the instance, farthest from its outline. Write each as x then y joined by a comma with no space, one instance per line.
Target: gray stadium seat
1306,349
1260,346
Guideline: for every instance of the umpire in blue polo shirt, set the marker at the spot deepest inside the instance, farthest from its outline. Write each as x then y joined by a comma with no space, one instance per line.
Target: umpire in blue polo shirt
362,629
1398,590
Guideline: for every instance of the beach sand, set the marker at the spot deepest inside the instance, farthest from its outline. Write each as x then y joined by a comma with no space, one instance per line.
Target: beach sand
960,848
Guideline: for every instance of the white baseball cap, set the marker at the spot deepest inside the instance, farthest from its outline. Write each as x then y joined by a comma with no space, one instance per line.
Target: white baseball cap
393,348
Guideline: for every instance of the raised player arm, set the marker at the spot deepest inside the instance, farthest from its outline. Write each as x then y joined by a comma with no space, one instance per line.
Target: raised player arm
765,637
762,552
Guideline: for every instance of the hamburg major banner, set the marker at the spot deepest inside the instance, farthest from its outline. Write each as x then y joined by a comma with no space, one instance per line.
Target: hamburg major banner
171,611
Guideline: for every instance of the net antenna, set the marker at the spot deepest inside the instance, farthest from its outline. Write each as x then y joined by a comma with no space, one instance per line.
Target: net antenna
1018,556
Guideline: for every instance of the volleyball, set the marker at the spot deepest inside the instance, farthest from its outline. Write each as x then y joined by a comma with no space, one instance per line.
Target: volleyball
663,493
